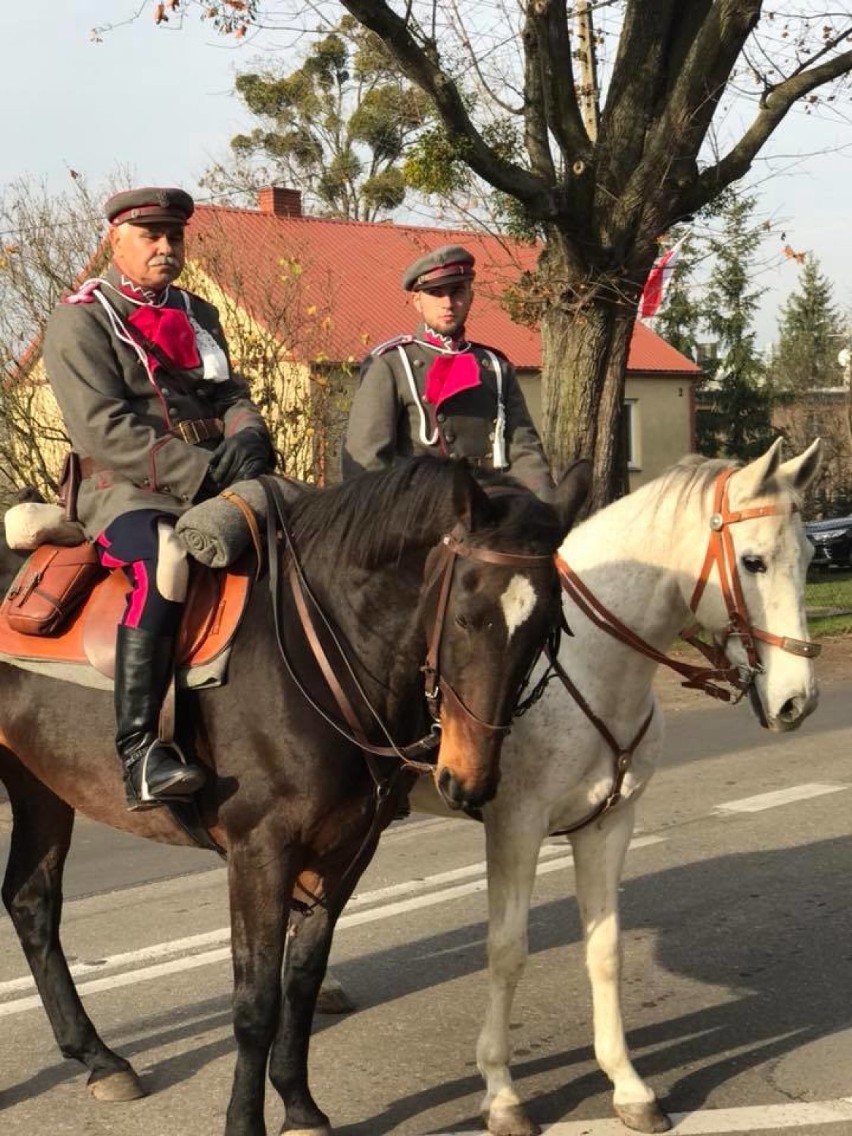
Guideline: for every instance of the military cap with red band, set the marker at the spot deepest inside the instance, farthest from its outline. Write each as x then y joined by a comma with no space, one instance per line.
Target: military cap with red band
444,265
149,205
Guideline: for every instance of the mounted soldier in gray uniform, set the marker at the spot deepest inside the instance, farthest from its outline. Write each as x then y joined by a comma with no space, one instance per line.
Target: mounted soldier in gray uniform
159,421
434,392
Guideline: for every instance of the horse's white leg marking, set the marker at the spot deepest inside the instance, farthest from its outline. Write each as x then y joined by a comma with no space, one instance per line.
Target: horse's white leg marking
512,852
599,853
518,603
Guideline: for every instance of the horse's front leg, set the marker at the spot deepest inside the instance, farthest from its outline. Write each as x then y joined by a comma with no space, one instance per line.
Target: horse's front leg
307,959
599,851
261,872
308,949
512,846
32,893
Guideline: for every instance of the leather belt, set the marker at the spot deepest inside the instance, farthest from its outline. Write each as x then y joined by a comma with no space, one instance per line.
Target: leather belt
191,431
195,430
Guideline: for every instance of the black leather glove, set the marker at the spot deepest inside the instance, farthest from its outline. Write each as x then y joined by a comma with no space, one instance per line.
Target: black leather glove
240,457
207,489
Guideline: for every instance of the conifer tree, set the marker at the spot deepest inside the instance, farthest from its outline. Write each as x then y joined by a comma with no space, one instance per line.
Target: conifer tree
679,317
735,402
810,336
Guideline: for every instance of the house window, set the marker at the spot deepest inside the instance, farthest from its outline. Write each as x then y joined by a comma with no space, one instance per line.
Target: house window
630,426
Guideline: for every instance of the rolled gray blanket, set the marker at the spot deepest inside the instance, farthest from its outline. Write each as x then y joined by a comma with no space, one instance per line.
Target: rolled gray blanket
216,532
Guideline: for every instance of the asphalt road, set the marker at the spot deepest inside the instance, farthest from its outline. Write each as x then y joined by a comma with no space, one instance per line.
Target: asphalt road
738,964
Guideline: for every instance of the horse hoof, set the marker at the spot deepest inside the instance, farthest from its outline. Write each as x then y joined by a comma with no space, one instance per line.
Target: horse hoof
123,1086
333,999
511,1120
647,1117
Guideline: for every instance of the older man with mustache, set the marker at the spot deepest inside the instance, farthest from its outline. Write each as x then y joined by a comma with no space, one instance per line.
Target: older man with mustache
158,420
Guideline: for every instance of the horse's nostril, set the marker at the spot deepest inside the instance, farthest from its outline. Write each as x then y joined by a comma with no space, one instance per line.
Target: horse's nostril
790,710
444,778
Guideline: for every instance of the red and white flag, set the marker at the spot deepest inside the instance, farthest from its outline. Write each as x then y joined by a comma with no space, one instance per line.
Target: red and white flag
658,281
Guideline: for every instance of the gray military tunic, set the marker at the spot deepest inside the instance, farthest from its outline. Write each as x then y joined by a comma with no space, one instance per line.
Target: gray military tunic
390,419
121,412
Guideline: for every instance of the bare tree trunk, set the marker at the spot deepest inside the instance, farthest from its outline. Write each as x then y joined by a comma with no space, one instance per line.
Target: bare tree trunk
585,338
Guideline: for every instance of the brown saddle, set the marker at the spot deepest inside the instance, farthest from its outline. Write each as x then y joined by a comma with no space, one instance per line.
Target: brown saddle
215,604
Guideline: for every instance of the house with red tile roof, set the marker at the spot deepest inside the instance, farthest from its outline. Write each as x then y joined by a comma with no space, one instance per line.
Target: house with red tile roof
332,289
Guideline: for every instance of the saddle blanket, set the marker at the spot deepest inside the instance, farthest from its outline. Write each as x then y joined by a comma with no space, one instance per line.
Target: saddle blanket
83,652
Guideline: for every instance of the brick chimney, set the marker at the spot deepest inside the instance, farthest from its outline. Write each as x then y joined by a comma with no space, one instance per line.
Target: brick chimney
280,201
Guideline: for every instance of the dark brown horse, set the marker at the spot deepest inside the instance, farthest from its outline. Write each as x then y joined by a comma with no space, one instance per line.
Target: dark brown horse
292,800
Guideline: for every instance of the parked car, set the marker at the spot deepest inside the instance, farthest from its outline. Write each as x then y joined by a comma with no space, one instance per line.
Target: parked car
832,541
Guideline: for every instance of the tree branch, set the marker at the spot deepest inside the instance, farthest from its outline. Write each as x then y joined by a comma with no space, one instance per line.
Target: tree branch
564,120
535,112
774,108
640,72
421,65
667,170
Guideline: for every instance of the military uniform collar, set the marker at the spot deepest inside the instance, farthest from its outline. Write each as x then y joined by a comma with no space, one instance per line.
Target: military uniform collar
447,344
135,293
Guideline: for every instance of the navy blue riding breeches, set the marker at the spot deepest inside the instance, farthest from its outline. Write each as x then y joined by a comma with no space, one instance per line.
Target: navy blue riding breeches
144,545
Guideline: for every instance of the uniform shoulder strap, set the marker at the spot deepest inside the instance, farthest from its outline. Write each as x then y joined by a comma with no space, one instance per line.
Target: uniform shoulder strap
391,344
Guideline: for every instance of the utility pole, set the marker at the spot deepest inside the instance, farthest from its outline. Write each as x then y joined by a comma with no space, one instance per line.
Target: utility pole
588,69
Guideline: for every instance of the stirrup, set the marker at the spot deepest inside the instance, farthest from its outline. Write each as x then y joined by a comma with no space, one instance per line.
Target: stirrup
139,793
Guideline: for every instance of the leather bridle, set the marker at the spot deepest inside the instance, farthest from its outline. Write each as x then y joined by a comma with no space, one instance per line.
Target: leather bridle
721,556
454,545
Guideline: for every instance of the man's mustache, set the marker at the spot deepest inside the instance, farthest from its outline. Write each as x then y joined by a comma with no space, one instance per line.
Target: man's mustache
163,259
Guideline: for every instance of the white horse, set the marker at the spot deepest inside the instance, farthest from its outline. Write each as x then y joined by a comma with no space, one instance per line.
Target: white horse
639,564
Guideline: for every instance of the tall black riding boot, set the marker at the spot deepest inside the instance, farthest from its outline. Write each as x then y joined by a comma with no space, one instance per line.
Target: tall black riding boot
154,771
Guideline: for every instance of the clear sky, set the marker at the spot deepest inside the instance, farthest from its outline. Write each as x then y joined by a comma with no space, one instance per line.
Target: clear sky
160,103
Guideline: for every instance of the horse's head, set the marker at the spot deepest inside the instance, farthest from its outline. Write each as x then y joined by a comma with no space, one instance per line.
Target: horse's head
752,599
492,597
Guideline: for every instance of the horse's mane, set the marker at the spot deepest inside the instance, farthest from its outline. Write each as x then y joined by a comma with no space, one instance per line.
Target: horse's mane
372,518
692,473
696,474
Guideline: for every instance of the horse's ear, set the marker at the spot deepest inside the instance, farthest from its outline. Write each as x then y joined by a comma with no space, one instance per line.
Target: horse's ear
752,479
571,493
800,472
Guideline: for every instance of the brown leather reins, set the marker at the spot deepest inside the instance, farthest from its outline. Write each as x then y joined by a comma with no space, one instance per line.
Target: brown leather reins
721,555
454,545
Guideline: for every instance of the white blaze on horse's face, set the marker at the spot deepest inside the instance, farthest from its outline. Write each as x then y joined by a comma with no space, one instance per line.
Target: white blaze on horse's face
518,603
771,557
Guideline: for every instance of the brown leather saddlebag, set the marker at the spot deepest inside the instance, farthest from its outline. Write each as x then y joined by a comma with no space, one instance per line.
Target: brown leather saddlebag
52,583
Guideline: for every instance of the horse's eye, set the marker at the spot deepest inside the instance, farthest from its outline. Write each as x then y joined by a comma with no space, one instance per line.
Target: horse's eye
462,621
754,564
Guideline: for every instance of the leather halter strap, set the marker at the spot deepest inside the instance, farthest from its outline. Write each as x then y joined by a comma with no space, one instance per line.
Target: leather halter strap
622,758
455,544
721,555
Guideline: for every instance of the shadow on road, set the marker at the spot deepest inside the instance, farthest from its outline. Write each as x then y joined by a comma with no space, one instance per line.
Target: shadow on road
773,928
782,943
